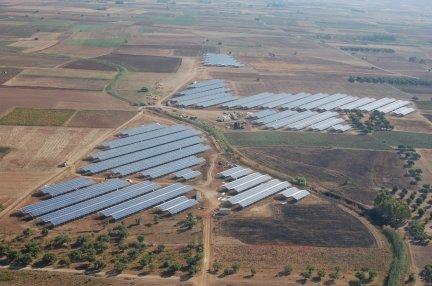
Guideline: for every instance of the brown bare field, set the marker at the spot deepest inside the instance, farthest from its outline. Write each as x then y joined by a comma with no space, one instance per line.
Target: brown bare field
61,99
37,42
31,60
36,152
86,64
145,63
356,174
182,50
62,79
100,118
411,123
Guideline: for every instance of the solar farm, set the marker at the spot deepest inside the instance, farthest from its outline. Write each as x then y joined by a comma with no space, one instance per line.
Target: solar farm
113,199
245,188
220,60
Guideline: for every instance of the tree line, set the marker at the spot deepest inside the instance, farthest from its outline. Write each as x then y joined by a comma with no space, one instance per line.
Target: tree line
391,80
368,50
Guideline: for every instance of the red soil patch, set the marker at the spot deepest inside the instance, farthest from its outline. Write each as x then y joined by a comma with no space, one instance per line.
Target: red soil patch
141,63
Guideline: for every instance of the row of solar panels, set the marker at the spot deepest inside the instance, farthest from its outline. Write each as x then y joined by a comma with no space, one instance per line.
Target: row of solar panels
320,102
251,187
212,94
220,60
113,198
295,120
187,174
159,151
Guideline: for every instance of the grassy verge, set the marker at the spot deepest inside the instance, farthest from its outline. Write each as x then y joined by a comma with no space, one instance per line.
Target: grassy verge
399,264
36,117
376,141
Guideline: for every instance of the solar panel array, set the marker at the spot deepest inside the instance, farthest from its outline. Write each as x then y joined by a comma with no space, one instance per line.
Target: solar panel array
115,198
154,150
295,120
403,111
187,174
294,193
250,188
66,186
149,200
220,60
211,93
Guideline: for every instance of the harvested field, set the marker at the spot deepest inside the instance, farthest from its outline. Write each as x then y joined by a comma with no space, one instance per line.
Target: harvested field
428,117
145,63
411,125
100,118
311,225
185,50
87,64
375,141
36,117
31,60
36,153
424,105
59,99
8,73
355,174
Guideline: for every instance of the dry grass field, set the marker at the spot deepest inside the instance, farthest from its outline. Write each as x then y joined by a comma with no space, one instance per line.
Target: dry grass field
100,118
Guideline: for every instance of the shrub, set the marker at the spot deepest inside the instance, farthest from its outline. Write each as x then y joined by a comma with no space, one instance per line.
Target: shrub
49,258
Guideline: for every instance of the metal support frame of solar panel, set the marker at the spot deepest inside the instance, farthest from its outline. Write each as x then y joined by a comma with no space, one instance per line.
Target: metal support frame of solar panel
182,207
337,103
94,205
289,98
311,120
275,117
341,127
323,125
258,193
159,160
171,167
140,129
105,165
67,186
144,137
292,119
139,146
376,104
403,111
204,83
357,104
144,202
263,113
171,203
322,101
75,197
393,106
297,103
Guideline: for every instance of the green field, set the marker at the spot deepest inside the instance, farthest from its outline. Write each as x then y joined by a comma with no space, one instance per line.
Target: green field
425,105
376,141
36,117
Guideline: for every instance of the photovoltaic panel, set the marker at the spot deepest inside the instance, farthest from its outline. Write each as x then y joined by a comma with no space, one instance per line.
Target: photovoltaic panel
205,83
171,203
144,202
263,113
143,137
297,103
71,198
116,152
171,167
292,119
182,206
140,155
159,160
222,60
322,101
96,204
287,99
66,186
